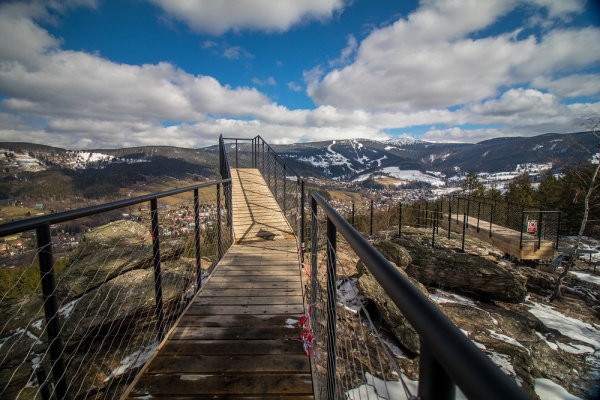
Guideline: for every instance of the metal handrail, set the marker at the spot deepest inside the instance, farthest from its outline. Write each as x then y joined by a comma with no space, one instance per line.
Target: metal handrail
446,353
11,228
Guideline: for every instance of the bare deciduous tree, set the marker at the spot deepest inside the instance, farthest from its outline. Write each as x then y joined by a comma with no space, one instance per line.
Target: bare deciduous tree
592,123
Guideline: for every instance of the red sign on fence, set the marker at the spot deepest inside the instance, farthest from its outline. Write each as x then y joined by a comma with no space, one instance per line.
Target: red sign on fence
532,226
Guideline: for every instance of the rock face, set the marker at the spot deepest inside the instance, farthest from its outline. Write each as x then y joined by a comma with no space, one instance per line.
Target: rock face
463,273
505,329
387,311
105,291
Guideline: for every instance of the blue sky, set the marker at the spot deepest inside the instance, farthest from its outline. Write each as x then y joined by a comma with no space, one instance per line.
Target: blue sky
106,73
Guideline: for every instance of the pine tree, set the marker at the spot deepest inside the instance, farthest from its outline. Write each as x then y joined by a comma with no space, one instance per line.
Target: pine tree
520,191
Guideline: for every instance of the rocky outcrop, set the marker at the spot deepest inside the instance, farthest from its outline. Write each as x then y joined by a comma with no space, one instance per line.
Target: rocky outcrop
107,252
387,312
464,273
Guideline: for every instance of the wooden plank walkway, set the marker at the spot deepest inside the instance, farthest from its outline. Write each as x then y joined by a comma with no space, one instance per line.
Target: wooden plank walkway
505,239
234,339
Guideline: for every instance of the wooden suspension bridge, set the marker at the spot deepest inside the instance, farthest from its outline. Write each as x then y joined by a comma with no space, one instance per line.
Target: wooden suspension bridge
239,336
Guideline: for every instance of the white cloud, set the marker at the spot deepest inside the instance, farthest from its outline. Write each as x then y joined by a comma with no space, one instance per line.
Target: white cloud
294,86
262,82
236,53
430,60
347,52
217,17
575,85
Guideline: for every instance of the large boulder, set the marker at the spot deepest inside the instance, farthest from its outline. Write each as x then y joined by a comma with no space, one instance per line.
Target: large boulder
388,314
108,251
462,273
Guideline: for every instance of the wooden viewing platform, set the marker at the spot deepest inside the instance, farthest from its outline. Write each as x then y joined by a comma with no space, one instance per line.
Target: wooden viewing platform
234,338
505,239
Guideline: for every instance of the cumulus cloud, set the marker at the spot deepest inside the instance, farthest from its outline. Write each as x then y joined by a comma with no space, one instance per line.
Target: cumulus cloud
217,17
433,59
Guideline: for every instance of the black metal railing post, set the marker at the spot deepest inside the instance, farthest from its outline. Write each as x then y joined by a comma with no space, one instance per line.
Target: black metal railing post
302,216
433,226
284,189
314,245
157,272
219,233
464,231
371,223
236,153
434,382
44,242
539,228
197,240
449,215
491,218
42,378
478,214
557,231
352,214
399,219
331,310
522,223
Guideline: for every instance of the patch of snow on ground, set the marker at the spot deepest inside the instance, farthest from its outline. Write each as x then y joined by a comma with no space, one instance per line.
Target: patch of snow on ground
480,346
586,276
568,326
349,296
134,360
66,311
575,348
375,388
503,362
507,339
550,344
389,147
548,390
413,175
442,297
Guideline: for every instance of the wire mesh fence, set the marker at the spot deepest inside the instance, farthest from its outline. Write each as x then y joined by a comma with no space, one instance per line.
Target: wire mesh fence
351,360
450,213
81,312
351,357
285,184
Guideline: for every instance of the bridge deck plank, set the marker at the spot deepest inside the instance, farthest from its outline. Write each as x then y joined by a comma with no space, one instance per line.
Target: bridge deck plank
234,340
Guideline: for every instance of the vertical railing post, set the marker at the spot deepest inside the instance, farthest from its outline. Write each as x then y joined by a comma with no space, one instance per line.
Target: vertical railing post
449,214
557,230
426,214
44,242
434,382
399,219
284,190
433,226
462,249
491,218
478,214
331,310
197,240
219,234
42,378
539,228
468,208
236,153
457,208
313,261
371,223
353,215
302,217
522,223
157,272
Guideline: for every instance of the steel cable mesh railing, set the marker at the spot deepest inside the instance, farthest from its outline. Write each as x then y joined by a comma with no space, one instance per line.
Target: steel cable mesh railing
363,364
115,292
283,182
